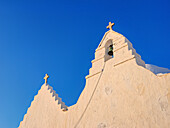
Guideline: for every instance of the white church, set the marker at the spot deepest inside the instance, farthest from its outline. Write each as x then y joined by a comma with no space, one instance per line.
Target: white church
121,91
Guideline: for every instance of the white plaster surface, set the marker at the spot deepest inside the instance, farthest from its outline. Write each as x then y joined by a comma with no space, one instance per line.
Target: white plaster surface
156,69
119,93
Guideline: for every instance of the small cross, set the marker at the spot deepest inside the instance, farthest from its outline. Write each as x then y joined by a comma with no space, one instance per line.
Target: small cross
110,26
46,77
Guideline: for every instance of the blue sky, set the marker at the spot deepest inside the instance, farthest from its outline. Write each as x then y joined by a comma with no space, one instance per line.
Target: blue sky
59,38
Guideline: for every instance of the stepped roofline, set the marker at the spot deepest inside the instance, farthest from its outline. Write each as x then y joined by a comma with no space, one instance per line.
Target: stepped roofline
46,88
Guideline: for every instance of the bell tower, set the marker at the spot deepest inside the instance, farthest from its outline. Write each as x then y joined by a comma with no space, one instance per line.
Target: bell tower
113,47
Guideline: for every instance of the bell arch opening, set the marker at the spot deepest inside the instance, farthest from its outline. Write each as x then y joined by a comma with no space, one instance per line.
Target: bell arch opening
109,54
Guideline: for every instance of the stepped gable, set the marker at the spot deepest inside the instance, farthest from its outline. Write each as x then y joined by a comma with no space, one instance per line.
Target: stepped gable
47,102
57,99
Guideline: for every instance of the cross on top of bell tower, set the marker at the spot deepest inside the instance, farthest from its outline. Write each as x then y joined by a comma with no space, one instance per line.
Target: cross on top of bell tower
110,26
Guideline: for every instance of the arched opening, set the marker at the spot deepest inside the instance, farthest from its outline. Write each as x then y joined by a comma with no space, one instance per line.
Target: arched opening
109,50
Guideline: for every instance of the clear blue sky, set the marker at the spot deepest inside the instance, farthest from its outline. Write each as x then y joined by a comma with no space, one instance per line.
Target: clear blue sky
60,37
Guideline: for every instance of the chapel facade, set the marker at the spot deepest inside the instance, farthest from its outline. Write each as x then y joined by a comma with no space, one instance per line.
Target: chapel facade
120,92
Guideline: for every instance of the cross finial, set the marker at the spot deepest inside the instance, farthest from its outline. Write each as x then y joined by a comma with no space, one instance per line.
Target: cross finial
46,77
110,26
